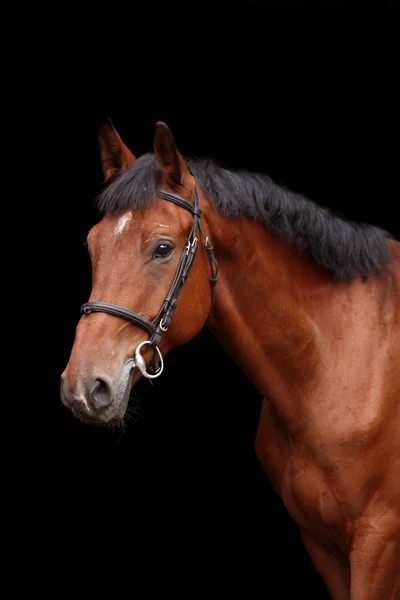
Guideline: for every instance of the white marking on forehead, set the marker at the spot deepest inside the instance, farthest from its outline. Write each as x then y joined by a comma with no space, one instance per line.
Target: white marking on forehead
123,223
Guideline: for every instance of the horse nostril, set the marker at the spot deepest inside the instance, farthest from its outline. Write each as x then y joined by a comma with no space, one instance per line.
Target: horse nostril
101,394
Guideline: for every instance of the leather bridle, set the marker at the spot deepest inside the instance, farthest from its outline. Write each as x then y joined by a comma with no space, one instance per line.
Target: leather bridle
160,324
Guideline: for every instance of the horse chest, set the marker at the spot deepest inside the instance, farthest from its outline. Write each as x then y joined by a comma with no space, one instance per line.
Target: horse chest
308,492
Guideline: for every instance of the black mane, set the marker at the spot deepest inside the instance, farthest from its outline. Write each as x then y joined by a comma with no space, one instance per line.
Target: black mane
345,248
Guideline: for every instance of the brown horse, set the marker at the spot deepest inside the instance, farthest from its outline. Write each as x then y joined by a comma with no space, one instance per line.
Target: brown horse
306,303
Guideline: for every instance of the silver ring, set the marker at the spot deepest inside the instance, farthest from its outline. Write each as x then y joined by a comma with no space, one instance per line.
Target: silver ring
141,365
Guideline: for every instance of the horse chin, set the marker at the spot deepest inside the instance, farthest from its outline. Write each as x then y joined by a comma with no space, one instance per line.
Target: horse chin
112,421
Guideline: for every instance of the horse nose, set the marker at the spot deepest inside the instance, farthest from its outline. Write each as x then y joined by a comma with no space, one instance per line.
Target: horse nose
90,398
100,397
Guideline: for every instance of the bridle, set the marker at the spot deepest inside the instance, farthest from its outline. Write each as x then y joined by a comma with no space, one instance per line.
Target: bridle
159,325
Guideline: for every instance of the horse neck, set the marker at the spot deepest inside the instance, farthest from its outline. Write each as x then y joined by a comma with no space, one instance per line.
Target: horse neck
259,315
301,336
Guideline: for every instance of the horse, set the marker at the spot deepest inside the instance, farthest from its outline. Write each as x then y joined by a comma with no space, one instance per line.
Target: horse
305,301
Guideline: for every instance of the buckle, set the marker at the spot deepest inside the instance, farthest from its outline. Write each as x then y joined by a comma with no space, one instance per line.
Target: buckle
191,247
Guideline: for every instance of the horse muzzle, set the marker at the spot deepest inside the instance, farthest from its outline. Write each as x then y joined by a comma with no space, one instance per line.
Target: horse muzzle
97,397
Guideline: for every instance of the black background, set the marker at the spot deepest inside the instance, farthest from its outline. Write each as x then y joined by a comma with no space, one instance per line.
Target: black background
306,92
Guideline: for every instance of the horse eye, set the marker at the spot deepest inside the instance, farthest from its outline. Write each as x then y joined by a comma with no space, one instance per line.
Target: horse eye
163,250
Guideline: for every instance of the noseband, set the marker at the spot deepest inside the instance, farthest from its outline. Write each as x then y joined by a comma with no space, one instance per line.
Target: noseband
159,325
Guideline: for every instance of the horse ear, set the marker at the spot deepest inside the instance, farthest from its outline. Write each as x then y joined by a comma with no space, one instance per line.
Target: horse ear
170,160
114,155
